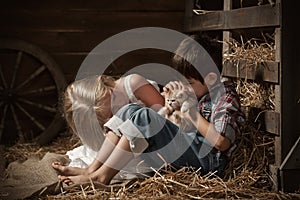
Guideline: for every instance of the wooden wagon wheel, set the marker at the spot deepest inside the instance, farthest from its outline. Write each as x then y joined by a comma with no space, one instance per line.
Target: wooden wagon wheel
30,85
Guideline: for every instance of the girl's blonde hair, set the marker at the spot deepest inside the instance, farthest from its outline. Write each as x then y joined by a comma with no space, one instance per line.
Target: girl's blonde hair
83,106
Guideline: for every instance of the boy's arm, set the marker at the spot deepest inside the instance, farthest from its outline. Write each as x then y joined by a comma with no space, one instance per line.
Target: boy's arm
208,130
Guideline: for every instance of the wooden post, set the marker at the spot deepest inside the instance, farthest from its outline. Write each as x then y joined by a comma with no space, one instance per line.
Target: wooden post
226,34
274,168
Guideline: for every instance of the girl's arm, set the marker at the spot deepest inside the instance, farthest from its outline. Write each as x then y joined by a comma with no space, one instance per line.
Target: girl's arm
146,92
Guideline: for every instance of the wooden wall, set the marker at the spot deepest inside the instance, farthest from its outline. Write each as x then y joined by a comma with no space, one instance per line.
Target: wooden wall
70,29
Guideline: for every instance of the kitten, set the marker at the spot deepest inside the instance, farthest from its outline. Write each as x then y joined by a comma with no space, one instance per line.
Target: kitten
178,100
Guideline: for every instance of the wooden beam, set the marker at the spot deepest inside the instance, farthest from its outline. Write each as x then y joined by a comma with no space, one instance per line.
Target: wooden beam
102,6
266,71
75,21
250,17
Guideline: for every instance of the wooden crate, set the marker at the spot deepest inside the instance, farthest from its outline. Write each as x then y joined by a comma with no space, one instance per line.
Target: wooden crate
283,121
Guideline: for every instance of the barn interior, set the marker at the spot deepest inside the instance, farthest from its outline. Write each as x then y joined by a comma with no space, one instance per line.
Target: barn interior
46,45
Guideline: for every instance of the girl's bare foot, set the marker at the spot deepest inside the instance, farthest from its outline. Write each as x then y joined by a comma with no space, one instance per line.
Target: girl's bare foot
68,171
70,180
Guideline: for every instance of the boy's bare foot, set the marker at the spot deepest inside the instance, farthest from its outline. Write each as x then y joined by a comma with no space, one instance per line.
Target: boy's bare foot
68,171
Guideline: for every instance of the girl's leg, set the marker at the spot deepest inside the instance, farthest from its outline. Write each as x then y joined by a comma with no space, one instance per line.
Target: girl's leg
119,158
108,145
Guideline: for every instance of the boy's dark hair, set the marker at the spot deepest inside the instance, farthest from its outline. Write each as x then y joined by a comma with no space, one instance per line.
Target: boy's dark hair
191,53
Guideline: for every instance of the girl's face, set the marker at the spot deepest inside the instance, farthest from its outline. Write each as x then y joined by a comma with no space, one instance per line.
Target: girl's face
199,88
113,101
118,100
106,114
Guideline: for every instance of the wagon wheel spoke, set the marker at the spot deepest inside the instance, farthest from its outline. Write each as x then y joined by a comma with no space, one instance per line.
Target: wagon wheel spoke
19,129
38,124
2,77
31,77
39,91
38,105
3,121
16,67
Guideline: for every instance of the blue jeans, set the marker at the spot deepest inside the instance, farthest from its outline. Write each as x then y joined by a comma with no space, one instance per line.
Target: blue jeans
167,144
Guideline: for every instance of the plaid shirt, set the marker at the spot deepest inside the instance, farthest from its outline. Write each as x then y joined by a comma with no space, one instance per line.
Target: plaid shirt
221,107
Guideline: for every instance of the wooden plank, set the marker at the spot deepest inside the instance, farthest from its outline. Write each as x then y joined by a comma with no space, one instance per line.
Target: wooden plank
103,5
88,21
188,15
272,122
278,96
70,62
56,42
267,71
250,17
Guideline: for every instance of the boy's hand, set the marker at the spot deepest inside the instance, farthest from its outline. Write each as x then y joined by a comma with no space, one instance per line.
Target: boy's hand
190,113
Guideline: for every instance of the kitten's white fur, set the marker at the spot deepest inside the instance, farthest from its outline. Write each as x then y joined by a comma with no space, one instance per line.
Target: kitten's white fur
178,100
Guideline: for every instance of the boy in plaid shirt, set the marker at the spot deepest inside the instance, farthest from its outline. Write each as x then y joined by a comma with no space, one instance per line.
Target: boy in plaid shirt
140,131
218,116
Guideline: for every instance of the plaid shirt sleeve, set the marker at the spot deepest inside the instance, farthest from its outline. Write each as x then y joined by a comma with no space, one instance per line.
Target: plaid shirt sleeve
227,115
